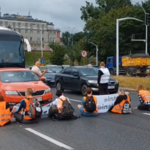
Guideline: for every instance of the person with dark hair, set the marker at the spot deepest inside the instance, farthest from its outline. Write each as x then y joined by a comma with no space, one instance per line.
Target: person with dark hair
89,105
103,79
57,111
5,114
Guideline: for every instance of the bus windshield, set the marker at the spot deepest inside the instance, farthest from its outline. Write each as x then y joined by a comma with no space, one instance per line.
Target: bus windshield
11,51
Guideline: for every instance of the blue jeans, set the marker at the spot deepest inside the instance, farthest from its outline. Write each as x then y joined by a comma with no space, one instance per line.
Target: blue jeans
87,114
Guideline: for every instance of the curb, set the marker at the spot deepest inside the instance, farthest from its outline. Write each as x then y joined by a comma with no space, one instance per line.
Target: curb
128,89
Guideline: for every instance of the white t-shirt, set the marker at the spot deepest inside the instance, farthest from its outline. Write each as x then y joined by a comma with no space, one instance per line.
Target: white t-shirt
55,102
37,71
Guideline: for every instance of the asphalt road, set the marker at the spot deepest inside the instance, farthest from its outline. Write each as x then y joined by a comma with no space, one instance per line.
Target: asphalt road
105,132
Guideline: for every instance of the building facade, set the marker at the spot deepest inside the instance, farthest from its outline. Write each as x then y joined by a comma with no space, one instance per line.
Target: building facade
32,29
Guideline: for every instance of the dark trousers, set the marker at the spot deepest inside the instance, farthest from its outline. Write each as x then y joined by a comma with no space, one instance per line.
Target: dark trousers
103,89
144,107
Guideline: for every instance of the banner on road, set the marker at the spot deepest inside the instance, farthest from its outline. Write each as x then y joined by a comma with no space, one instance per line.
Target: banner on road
104,102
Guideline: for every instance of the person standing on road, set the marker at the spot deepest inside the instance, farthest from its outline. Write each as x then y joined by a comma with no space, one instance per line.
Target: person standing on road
90,64
37,71
5,114
144,98
122,104
103,79
89,105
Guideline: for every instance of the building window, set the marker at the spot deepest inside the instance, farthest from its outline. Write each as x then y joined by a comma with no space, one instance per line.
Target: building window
50,40
54,40
43,45
19,24
19,30
1,23
26,25
37,25
6,24
14,24
38,31
26,31
42,25
54,32
30,38
42,31
38,39
31,31
42,39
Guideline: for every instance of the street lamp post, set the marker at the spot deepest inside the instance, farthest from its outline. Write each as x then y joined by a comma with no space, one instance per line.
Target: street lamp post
117,39
96,52
146,32
41,45
72,33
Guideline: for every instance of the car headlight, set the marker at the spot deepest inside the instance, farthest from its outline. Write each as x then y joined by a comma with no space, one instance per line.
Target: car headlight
11,92
92,81
48,90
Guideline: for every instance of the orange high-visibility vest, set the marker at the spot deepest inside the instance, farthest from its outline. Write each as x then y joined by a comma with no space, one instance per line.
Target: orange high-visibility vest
145,95
5,114
119,107
27,110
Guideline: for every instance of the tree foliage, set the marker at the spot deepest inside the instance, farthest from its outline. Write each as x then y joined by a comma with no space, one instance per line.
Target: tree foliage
57,56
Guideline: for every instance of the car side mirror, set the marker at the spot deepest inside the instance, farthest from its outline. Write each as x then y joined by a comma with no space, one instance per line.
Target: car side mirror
42,78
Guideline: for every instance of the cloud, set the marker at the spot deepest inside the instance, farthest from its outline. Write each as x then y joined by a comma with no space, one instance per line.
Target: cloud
63,13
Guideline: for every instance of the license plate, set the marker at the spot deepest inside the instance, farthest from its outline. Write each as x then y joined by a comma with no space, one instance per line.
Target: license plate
111,87
39,98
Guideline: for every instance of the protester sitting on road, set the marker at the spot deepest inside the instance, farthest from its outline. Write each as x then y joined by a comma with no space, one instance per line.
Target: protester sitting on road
103,79
61,108
5,114
37,70
144,98
122,104
89,104
26,112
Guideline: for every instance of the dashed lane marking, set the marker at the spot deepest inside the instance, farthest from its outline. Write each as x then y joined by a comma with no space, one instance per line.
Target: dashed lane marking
49,139
146,114
74,100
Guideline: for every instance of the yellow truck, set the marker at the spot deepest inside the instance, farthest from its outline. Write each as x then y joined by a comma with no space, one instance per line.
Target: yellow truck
130,65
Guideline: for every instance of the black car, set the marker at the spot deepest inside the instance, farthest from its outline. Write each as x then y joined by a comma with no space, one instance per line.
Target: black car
78,78
50,74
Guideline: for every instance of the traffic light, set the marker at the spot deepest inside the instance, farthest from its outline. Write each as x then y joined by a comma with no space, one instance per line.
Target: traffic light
147,19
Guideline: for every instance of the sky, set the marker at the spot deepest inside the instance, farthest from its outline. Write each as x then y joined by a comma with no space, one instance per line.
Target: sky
65,14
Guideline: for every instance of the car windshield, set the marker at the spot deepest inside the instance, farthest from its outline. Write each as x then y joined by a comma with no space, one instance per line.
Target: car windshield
43,68
18,76
56,69
88,71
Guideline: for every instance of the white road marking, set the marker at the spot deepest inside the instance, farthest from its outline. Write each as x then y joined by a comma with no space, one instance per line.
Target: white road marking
74,100
49,139
146,114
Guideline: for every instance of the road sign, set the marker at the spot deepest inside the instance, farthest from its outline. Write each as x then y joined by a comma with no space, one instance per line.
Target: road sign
84,53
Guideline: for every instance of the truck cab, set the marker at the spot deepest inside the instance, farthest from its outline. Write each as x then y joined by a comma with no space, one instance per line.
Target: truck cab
111,64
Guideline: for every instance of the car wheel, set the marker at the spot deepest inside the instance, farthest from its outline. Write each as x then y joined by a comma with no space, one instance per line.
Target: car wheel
59,86
83,89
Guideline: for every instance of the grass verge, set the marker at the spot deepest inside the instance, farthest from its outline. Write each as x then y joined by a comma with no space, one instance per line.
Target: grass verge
133,82
32,57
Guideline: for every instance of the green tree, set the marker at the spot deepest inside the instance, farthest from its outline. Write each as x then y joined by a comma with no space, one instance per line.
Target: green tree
57,56
66,38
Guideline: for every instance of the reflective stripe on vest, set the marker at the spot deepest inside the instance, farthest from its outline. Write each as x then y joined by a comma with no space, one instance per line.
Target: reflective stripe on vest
145,95
119,107
5,114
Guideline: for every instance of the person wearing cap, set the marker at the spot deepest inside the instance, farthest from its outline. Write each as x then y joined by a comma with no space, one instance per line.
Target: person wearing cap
103,79
122,104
